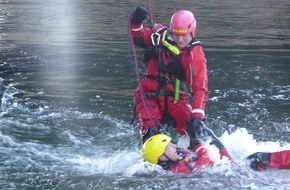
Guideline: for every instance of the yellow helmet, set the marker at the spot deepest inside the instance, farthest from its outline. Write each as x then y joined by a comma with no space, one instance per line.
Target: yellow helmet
154,147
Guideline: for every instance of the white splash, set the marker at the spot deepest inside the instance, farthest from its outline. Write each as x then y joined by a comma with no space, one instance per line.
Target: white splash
239,144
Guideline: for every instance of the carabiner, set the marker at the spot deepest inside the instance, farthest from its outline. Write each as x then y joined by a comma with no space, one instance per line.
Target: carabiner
153,38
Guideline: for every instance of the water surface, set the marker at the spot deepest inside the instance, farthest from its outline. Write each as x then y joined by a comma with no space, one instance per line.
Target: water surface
67,88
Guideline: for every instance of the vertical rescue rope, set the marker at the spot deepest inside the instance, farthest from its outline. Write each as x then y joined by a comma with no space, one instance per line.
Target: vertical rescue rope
134,63
150,12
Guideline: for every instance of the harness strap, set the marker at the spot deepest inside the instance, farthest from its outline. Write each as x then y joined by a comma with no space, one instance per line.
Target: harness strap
169,46
186,162
163,78
156,94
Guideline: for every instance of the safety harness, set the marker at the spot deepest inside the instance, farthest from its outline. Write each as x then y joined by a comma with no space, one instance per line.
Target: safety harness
168,60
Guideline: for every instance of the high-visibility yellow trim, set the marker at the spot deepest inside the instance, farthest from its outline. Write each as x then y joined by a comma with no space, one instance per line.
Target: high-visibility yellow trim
172,48
175,51
176,90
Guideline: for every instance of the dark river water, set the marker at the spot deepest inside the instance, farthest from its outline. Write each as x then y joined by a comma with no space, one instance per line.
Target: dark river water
67,85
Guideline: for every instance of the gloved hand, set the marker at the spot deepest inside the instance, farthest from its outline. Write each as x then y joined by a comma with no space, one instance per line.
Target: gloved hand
195,131
259,160
139,15
196,128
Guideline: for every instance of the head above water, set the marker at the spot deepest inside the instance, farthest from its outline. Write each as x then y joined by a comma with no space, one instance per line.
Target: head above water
154,147
183,22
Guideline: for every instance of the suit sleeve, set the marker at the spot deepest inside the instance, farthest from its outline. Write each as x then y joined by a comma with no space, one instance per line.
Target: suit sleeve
204,157
280,160
197,78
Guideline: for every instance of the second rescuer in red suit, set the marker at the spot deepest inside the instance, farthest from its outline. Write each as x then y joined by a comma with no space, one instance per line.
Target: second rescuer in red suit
158,149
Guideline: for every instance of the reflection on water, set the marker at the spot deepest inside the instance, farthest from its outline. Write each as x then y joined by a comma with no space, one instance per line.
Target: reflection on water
66,27
67,88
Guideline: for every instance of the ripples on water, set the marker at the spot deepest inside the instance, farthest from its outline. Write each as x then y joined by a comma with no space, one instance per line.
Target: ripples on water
67,86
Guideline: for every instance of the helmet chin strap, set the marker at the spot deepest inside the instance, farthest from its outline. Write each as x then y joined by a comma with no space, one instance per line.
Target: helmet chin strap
167,158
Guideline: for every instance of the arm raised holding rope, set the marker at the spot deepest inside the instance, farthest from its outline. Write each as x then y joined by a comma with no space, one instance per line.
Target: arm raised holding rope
146,108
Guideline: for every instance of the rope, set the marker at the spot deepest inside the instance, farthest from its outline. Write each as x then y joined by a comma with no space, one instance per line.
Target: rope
150,12
134,64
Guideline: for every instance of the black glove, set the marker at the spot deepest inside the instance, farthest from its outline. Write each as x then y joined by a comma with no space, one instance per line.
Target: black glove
196,128
195,131
139,15
259,158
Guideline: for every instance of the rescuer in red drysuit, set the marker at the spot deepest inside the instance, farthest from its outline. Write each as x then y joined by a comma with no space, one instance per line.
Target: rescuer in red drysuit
173,54
159,149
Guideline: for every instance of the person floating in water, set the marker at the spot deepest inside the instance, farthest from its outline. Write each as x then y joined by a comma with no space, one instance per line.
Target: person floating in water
159,149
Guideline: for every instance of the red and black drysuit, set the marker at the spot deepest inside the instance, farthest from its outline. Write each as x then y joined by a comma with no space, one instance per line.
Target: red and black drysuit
163,67
270,160
190,161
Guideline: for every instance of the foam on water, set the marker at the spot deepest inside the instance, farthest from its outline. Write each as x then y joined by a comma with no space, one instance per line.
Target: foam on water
70,141
128,163
240,144
107,151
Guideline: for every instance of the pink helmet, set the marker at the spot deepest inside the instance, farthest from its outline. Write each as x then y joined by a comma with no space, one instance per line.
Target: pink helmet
183,22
